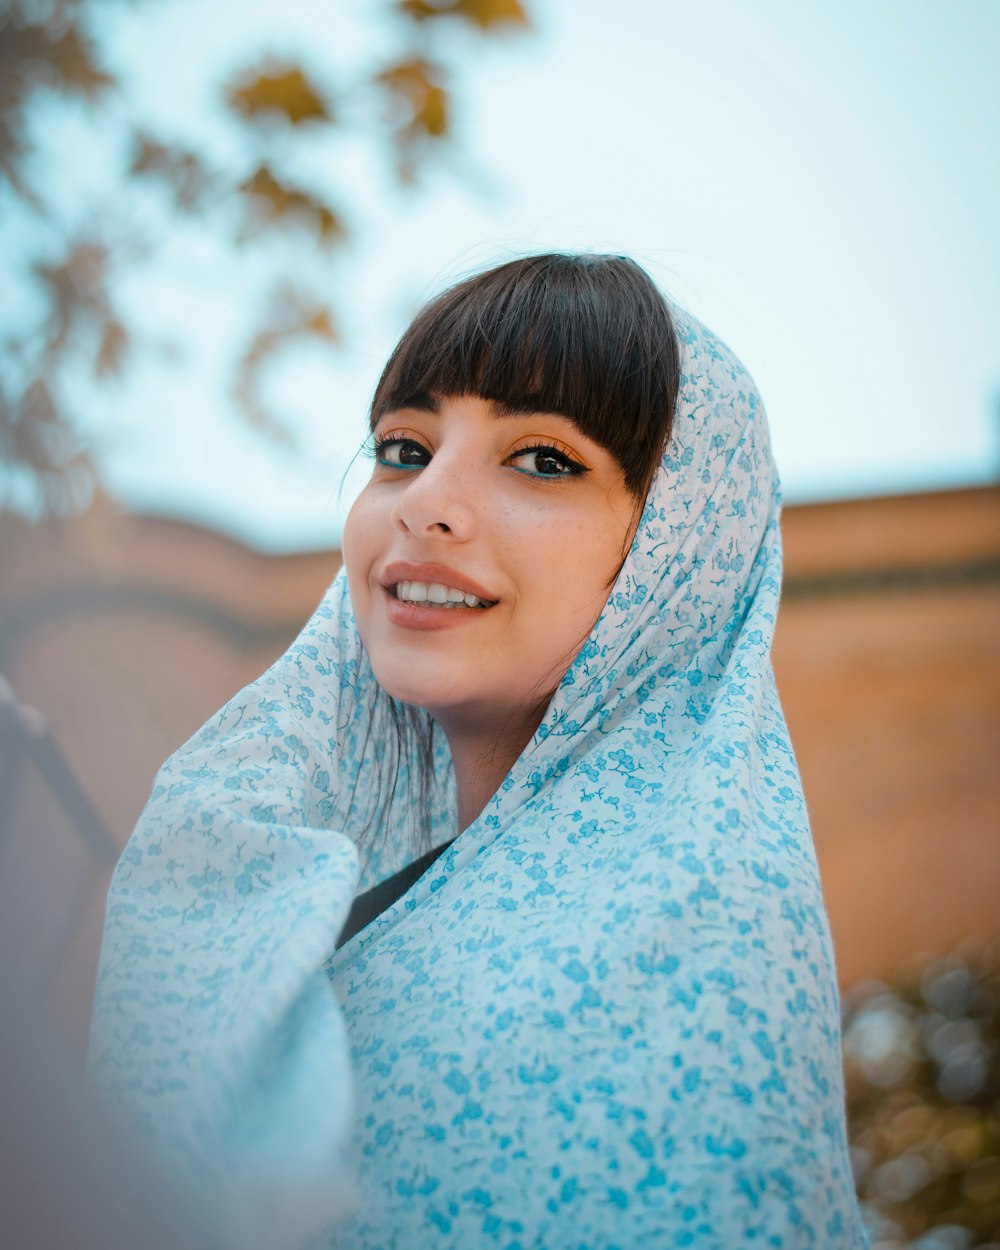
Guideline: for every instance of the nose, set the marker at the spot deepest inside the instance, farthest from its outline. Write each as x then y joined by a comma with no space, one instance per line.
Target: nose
437,501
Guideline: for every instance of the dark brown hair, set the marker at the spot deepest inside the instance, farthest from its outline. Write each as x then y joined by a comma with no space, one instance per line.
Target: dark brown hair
588,337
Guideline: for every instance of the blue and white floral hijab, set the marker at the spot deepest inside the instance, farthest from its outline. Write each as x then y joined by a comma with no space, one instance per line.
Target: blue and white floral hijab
606,1016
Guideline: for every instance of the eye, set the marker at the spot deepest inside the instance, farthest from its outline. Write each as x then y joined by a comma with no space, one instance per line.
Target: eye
545,462
397,452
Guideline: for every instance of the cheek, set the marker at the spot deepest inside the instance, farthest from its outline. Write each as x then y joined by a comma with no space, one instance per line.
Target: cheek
588,567
357,550
568,569
592,554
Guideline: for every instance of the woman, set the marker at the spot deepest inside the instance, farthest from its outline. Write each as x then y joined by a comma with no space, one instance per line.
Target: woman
606,1014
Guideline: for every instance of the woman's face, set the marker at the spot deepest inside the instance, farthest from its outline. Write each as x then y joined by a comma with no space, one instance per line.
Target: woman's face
479,556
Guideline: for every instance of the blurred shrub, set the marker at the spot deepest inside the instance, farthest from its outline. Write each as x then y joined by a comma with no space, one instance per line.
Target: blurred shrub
922,1065
272,176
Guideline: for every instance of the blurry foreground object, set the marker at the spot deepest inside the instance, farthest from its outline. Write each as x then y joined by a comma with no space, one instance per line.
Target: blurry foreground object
922,1059
67,1178
25,741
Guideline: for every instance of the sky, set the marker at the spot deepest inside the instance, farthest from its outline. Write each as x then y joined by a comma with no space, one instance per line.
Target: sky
818,182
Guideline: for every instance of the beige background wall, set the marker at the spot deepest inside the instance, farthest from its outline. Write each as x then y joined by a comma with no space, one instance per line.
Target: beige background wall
887,655
127,632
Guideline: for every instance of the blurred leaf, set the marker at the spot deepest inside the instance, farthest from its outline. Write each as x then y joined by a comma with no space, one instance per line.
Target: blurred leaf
281,91
73,59
482,13
111,351
270,200
10,152
32,55
35,437
417,96
183,171
418,108
294,316
77,289
80,311
38,55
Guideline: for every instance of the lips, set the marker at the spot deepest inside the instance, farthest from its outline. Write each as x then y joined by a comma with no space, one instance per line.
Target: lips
435,575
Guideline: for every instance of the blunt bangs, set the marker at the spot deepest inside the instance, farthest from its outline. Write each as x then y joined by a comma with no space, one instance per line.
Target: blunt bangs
588,337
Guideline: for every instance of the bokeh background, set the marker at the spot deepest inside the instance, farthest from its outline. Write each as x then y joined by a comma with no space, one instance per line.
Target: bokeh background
215,220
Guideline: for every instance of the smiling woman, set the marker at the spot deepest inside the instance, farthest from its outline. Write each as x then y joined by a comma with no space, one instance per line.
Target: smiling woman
516,429
585,994
491,494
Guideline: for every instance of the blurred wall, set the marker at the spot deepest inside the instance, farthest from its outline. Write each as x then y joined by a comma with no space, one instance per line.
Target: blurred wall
127,632
887,656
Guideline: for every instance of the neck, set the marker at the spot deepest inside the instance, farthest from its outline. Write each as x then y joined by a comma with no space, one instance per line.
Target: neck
482,757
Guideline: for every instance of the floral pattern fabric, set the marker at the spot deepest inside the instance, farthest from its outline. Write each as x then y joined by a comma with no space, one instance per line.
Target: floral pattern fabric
607,1016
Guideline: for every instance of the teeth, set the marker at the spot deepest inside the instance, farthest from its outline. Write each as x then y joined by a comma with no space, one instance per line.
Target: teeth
436,593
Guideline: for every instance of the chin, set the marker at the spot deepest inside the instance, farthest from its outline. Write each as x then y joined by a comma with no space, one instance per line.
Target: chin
426,689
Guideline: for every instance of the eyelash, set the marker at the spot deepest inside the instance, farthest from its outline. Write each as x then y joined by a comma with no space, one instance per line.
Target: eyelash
572,468
379,446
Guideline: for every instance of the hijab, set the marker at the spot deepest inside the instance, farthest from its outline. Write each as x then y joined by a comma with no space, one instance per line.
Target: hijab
606,1016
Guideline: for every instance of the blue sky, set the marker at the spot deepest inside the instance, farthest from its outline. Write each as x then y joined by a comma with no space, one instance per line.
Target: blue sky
819,182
